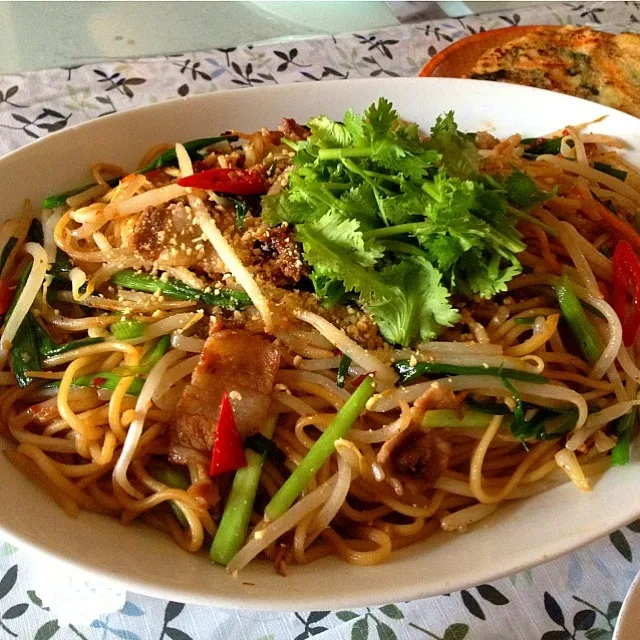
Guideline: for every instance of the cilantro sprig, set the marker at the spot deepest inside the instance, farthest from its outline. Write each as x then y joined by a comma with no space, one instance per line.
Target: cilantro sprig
400,221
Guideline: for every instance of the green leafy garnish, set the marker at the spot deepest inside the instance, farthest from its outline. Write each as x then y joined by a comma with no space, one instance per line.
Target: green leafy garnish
343,370
409,372
518,423
544,425
459,154
61,267
611,171
6,251
127,329
414,306
400,221
624,429
35,233
524,192
139,281
541,146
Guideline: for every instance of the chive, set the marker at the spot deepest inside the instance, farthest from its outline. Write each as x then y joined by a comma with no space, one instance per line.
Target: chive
48,347
539,146
225,298
24,353
61,266
611,171
8,248
234,524
108,380
343,370
563,423
173,478
259,443
153,355
60,199
408,372
35,233
577,320
320,452
232,532
57,349
518,423
494,408
168,158
456,418
242,209
127,329
148,361
537,427
526,321
624,430
19,289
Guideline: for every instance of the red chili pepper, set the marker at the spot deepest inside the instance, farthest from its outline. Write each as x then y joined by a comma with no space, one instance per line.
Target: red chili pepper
626,284
228,452
241,182
98,382
359,380
6,296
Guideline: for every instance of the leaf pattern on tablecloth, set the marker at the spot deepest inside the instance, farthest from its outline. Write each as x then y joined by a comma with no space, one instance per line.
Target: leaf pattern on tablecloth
6,97
455,631
80,92
590,621
372,623
577,597
620,541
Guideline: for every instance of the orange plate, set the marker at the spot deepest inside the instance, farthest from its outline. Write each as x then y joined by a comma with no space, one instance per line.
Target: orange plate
460,57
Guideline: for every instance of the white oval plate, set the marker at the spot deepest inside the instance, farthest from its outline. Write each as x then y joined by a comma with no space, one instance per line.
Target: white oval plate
629,618
522,535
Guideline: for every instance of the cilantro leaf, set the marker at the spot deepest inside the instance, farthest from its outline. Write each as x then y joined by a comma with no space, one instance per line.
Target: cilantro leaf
337,248
481,274
328,133
404,208
359,203
459,154
522,190
355,125
399,221
277,209
415,305
327,287
380,119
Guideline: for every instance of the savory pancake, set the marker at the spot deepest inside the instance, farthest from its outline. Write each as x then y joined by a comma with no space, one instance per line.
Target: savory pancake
579,61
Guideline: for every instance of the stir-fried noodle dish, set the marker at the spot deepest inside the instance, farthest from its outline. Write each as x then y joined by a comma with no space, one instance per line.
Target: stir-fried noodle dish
329,339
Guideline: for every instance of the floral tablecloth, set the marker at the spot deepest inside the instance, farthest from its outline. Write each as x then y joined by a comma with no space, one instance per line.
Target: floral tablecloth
577,597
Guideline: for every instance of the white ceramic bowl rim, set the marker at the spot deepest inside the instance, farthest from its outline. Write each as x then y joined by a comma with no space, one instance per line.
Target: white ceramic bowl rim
522,535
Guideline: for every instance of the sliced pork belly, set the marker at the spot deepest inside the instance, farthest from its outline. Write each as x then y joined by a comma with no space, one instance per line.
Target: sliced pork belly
168,236
236,361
